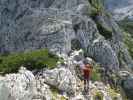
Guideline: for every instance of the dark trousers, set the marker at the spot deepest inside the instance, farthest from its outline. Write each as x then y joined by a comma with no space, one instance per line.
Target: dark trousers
86,85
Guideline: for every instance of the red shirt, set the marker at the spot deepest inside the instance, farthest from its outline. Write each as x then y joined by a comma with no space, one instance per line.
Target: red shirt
87,71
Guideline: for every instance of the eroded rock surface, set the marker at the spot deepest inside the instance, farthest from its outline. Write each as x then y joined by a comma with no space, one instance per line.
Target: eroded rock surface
59,83
120,8
53,25
17,86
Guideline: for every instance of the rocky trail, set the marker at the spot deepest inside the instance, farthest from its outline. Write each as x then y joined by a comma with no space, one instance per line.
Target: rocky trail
60,83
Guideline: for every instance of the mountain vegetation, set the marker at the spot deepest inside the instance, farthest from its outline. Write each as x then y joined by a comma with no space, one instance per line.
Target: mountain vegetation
37,59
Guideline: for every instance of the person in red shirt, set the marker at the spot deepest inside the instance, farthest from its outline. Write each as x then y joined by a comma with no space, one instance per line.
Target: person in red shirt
87,71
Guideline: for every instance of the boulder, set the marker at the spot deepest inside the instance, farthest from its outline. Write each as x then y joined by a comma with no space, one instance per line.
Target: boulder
128,87
23,86
61,78
17,86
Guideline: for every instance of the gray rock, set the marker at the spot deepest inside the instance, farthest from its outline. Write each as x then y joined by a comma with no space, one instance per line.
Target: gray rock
31,26
60,78
114,36
120,8
93,43
17,86
23,86
53,24
128,86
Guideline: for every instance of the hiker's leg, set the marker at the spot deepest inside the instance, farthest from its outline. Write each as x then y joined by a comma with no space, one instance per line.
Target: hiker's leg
88,82
84,84
87,86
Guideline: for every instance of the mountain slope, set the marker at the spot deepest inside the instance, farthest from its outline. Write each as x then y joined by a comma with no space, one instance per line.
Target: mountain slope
120,8
54,24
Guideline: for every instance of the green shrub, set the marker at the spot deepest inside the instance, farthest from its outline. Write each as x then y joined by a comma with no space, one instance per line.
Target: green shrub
96,75
56,94
97,9
113,93
127,25
98,96
97,6
128,40
54,90
31,60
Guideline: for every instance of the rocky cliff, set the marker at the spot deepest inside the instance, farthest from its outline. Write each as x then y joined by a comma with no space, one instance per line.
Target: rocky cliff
28,25
120,8
60,26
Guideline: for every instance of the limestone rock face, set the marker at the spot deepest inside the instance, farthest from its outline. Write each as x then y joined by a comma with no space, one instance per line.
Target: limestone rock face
114,37
31,25
120,8
61,78
128,87
64,79
17,86
53,24
94,44
23,86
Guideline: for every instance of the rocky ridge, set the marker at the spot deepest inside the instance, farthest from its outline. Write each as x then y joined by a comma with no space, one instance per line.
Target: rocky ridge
55,24
67,85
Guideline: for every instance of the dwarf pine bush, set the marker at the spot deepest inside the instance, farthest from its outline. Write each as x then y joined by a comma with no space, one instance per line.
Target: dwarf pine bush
31,60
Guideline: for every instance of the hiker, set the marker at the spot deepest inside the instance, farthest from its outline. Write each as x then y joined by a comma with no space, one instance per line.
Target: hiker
86,71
